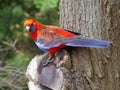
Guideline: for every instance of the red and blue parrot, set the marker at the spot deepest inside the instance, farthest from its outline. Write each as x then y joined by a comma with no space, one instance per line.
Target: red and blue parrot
53,38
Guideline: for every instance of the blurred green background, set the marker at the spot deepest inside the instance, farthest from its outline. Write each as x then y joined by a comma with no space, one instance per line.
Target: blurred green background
16,47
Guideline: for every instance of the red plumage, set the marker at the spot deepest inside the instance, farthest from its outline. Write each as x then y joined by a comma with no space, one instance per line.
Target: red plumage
48,32
52,38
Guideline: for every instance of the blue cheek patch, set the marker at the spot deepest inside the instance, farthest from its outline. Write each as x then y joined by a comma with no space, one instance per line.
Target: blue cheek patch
33,28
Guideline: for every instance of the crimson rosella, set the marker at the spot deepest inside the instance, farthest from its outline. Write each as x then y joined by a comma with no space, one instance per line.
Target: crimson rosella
53,38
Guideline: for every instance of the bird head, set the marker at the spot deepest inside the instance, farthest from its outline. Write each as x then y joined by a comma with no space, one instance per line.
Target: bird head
31,25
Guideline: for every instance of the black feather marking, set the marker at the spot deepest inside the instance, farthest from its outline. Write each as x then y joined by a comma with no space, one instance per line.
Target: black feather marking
73,32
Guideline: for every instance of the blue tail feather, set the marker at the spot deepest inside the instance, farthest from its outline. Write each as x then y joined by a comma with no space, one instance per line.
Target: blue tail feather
85,42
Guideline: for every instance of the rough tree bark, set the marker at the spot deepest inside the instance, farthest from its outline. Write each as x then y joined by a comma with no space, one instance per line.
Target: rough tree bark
93,69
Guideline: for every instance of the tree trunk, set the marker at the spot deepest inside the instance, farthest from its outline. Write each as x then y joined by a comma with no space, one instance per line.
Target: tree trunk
93,69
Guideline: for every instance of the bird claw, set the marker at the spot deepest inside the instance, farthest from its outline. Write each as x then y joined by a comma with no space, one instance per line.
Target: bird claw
49,60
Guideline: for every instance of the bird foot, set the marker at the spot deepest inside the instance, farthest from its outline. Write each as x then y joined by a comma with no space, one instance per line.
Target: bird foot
49,60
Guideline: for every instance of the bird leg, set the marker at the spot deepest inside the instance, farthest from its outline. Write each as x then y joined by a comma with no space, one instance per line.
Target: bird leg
49,60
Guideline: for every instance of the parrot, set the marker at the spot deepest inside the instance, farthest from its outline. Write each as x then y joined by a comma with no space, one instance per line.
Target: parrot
53,38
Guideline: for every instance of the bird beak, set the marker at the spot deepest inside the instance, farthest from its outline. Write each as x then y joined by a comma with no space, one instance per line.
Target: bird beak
27,28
